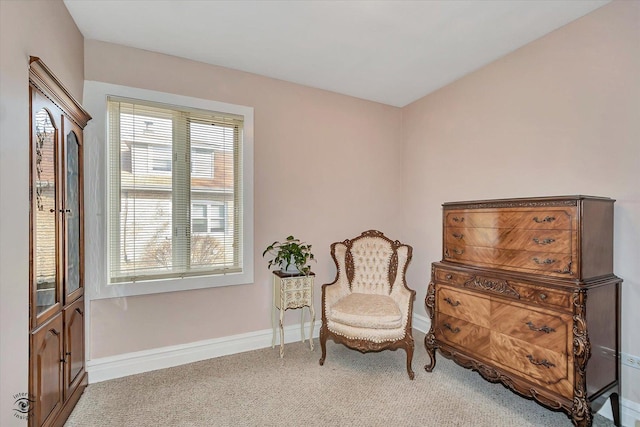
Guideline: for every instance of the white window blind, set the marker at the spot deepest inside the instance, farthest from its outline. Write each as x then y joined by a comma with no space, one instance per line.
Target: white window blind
175,191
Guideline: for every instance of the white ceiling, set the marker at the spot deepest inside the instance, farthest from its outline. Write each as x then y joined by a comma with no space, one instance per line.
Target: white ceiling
392,52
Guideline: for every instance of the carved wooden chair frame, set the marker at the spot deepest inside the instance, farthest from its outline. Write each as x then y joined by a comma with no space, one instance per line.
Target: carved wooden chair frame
365,345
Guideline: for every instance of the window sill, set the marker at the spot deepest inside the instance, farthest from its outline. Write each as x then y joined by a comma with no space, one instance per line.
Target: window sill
127,289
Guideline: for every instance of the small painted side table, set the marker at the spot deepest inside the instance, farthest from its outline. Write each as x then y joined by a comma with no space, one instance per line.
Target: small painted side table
292,291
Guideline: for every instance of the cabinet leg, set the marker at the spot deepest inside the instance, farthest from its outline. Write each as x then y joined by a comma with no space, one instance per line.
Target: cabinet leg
430,345
313,320
323,343
615,408
581,413
273,327
409,350
281,334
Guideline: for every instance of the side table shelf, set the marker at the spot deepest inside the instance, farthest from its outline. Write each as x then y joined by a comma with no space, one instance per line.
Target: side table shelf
292,291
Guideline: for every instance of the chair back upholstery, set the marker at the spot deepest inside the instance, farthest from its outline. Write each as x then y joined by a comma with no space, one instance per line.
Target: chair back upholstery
371,263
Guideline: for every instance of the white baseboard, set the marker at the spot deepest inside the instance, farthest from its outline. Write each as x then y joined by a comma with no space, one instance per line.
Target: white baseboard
122,365
629,412
421,323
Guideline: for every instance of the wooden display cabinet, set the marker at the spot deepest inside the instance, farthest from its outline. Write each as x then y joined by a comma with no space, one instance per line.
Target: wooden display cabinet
57,374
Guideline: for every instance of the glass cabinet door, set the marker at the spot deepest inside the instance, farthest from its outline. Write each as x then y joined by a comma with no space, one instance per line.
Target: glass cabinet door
45,213
72,215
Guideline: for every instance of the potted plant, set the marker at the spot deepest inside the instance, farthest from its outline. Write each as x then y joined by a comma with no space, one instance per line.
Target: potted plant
292,255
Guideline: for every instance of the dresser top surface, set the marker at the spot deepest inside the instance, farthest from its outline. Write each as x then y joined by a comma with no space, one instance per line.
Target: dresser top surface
524,202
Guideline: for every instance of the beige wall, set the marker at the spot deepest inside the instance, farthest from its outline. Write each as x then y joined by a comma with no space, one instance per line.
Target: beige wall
327,167
44,29
558,116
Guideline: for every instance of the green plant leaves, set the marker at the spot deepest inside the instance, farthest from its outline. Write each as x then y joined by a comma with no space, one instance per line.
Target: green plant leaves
291,251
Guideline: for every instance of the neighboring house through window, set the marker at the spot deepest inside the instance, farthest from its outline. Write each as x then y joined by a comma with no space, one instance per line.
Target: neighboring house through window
176,205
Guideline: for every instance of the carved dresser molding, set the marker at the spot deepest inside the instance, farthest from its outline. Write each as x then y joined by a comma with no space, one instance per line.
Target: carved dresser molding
525,295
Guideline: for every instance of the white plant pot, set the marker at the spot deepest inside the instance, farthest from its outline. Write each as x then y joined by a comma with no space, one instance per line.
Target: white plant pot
292,269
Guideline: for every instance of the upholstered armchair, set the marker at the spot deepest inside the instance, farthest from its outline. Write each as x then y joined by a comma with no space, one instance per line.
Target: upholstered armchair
368,307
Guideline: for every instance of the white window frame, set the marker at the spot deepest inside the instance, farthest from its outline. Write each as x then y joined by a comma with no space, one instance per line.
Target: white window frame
210,206
97,187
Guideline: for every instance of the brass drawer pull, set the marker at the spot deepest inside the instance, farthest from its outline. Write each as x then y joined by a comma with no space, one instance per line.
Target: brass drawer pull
448,276
455,251
546,261
450,302
543,296
457,219
454,330
543,362
544,241
546,329
566,270
545,219
458,235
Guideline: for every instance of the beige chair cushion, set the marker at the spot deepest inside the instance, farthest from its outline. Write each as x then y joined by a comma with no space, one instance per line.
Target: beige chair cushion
367,311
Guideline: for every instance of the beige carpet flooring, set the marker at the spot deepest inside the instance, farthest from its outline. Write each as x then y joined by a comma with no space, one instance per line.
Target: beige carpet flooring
258,388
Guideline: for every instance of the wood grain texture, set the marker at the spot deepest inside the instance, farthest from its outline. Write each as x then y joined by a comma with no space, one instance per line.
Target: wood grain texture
57,374
536,274
553,371
464,306
536,262
552,241
524,218
550,331
465,334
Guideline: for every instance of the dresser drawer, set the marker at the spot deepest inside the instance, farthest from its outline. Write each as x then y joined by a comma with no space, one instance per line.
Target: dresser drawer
450,277
552,370
461,334
550,331
543,297
463,306
555,264
297,298
551,218
490,286
552,241
293,292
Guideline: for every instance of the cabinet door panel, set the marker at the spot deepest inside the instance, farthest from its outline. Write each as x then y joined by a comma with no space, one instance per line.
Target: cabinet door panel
46,371
74,345
45,214
73,217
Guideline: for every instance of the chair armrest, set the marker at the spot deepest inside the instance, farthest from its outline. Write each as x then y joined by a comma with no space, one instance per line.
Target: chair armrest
401,294
339,288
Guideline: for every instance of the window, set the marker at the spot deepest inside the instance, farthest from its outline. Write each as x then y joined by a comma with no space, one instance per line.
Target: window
208,218
176,191
202,163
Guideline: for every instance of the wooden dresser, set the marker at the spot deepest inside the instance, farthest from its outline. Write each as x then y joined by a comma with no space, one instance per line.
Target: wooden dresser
525,295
